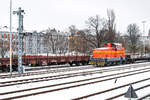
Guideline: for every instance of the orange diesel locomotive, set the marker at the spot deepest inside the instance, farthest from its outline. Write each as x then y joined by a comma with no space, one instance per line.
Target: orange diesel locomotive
114,53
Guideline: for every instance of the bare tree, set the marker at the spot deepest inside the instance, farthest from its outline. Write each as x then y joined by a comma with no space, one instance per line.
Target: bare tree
111,31
73,30
62,43
50,39
55,41
97,27
133,37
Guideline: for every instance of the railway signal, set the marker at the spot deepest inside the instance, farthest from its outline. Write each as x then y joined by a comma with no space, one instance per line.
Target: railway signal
20,13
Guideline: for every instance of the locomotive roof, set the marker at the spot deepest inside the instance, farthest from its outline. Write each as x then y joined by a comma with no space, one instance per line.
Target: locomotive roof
116,43
102,48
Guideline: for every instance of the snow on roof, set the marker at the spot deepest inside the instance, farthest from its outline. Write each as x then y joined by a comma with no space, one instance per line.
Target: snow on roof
116,43
102,48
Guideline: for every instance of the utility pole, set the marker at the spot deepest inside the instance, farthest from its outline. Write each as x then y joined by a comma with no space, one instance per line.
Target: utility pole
143,35
20,38
10,37
143,26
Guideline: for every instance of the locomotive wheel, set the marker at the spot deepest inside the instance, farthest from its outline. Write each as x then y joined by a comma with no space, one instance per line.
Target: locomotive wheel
83,63
5,69
77,64
70,64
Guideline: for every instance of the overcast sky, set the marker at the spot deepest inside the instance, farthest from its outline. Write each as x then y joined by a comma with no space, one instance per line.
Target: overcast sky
60,14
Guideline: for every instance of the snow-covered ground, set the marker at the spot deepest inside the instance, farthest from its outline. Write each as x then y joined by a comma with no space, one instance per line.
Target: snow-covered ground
68,94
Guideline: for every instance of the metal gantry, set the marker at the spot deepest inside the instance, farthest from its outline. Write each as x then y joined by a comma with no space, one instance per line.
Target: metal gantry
20,13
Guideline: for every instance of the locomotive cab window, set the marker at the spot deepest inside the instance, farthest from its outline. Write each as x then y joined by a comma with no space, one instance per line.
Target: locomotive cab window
118,47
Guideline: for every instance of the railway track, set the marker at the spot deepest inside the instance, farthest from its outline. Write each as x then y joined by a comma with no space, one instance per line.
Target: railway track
62,76
85,82
45,72
145,97
122,94
63,70
119,87
49,67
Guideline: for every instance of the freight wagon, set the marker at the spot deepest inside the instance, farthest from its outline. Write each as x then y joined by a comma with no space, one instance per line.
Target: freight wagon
44,60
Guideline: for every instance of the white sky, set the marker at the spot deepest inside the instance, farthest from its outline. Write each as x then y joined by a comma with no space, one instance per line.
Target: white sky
60,14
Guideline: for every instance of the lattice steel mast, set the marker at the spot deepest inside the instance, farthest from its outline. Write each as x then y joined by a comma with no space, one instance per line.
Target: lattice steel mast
20,38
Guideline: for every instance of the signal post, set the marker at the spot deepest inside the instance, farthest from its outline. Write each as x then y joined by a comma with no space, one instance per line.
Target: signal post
20,13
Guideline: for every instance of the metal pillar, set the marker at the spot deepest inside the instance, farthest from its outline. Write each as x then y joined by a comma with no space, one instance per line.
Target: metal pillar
144,36
10,37
20,38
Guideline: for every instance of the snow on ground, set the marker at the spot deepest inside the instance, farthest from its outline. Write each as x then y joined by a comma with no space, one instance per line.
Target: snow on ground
71,93
84,90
